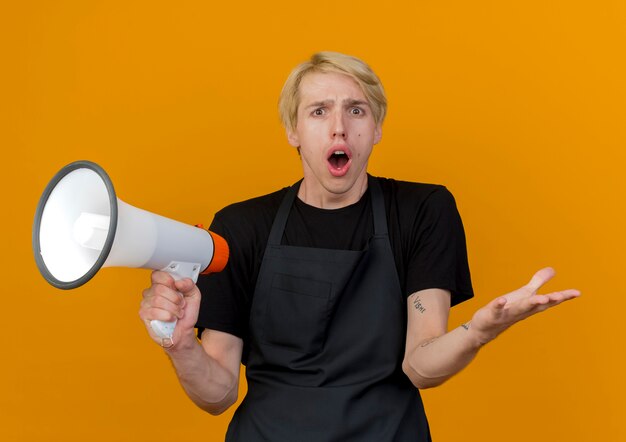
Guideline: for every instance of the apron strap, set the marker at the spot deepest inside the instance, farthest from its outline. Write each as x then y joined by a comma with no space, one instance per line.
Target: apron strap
378,210
280,221
378,206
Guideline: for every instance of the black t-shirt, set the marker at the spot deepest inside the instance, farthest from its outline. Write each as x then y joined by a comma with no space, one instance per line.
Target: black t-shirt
425,231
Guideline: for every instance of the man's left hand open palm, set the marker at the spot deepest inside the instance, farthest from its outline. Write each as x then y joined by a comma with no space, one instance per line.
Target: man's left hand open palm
506,310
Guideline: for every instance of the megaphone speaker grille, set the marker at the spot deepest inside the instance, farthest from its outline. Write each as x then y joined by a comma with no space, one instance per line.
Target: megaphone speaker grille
69,252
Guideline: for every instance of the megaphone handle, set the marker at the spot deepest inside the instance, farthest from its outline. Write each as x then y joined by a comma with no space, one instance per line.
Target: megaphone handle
163,329
178,270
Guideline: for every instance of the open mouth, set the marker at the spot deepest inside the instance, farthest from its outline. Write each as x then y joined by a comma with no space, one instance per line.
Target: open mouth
338,159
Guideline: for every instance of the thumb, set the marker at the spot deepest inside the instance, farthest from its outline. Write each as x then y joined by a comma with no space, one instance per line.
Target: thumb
497,306
187,287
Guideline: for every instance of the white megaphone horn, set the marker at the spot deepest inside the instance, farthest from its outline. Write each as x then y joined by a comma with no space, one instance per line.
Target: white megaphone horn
81,226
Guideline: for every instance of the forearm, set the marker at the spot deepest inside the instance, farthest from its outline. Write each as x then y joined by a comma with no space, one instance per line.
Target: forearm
434,361
207,383
430,362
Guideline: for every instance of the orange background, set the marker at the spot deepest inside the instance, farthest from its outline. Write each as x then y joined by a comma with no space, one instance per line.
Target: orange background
518,107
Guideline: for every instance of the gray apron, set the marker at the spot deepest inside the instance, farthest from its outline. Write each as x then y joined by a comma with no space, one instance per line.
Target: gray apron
327,337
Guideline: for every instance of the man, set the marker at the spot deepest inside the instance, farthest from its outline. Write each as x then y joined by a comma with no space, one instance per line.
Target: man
337,293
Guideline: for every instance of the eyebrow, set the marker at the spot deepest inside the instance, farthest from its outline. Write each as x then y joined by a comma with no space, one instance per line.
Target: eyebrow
353,102
319,104
348,102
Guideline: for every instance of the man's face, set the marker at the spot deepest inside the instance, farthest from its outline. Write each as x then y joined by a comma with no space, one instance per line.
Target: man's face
336,132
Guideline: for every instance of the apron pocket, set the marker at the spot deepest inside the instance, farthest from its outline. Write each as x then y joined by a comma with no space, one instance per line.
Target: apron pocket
297,313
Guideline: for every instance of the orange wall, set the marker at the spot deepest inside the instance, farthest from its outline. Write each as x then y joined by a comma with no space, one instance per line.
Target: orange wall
518,107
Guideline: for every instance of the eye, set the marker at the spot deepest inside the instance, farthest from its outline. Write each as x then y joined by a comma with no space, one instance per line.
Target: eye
318,112
356,111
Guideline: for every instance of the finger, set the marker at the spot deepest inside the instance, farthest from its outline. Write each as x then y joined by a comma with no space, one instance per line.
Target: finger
563,295
167,305
187,287
147,293
166,292
570,293
160,315
543,302
161,303
540,278
164,278
154,314
143,312
540,300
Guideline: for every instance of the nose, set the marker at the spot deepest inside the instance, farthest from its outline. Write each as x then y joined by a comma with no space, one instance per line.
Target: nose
338,128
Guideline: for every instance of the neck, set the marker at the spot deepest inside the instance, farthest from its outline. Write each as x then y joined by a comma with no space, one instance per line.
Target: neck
315,194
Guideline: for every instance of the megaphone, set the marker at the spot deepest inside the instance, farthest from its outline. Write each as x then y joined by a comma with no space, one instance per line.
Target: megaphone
81,226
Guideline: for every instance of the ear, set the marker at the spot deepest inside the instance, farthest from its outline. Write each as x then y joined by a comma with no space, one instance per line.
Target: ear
293,139
378,133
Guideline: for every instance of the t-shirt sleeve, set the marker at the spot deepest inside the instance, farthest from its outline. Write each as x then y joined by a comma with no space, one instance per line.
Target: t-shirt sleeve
437,256
223,303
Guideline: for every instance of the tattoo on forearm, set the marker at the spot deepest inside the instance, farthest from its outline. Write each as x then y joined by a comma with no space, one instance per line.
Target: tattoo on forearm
417,302
430,341
466,326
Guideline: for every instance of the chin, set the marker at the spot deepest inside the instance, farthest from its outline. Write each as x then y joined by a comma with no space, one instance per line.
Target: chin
340,185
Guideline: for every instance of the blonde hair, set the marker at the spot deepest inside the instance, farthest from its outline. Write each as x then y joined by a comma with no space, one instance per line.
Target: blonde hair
324,62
